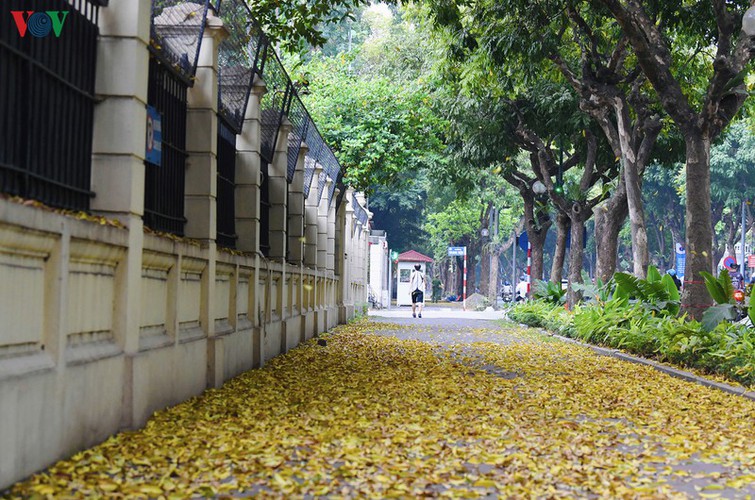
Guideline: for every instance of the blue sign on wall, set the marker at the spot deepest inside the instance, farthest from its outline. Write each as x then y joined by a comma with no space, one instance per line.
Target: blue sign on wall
154,150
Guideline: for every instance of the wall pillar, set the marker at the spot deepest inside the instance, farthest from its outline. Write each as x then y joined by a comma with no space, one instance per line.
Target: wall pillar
248,181
322,227
202,137
201,181
348,253
331,230
310,222
296,209
118,152
278,171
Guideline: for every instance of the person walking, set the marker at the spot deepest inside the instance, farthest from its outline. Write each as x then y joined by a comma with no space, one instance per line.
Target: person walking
417,286
677,282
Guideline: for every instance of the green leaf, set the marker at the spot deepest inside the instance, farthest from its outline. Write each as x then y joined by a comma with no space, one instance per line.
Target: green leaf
751,310
725,281
627,285
653,274
715,289
716,314
673,293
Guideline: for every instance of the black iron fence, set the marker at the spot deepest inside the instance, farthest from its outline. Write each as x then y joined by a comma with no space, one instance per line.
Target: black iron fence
47,73
360,213
299,119
274,104
226,210
265,209
316,145
176,37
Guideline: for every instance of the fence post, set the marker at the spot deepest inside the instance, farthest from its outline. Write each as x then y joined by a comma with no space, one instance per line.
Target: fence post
296,210
278,188
247,194
311,221
201,181
322,226
118,152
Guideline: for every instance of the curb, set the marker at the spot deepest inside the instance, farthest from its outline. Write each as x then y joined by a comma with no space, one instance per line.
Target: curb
674,372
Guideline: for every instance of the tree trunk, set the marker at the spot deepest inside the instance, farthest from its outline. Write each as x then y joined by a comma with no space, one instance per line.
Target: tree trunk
609,217
471,272
484,268
562,227
536,234
576,256
493,279
633,181
537,241
698,225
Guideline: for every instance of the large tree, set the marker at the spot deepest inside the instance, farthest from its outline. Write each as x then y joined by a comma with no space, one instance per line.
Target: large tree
668,38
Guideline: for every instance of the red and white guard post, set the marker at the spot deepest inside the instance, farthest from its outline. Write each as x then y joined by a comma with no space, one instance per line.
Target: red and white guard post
529,268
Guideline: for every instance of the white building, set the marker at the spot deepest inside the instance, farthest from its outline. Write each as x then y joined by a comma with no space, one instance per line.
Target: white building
379,269
406,262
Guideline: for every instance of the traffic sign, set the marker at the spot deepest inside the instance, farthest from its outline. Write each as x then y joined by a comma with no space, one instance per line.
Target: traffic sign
523,240
456,251
730,262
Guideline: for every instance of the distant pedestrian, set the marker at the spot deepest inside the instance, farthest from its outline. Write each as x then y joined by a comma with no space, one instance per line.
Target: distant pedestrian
737,280
521,289
417,286
672,273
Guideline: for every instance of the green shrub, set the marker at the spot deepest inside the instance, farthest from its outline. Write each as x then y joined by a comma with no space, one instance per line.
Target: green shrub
728,349
656,293
549,292
538,313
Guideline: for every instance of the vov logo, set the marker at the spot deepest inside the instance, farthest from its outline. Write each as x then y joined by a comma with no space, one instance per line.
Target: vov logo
39,24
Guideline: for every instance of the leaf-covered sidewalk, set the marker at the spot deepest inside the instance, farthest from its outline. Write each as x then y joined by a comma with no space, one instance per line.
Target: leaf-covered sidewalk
434,408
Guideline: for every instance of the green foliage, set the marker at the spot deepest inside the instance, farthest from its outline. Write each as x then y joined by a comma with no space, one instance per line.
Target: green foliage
298,24
537,313
717,314
728,349
726,308
654,293
437,290
380,129
719,288
598,291
549,292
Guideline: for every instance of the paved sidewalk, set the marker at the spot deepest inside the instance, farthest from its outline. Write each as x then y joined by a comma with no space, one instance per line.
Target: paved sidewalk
431,312
459,406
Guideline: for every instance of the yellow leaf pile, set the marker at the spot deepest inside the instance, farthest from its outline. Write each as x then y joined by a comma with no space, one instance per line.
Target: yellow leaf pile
369,415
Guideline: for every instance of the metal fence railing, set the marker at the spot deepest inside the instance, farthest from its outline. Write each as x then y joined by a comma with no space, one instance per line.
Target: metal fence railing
236,58
360,213
265,209
299,119
176,34
226,209
47,80
164,182
274,104
316,146
175,39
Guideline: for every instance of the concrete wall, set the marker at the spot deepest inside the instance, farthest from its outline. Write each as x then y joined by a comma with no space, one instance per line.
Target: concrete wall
103,322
